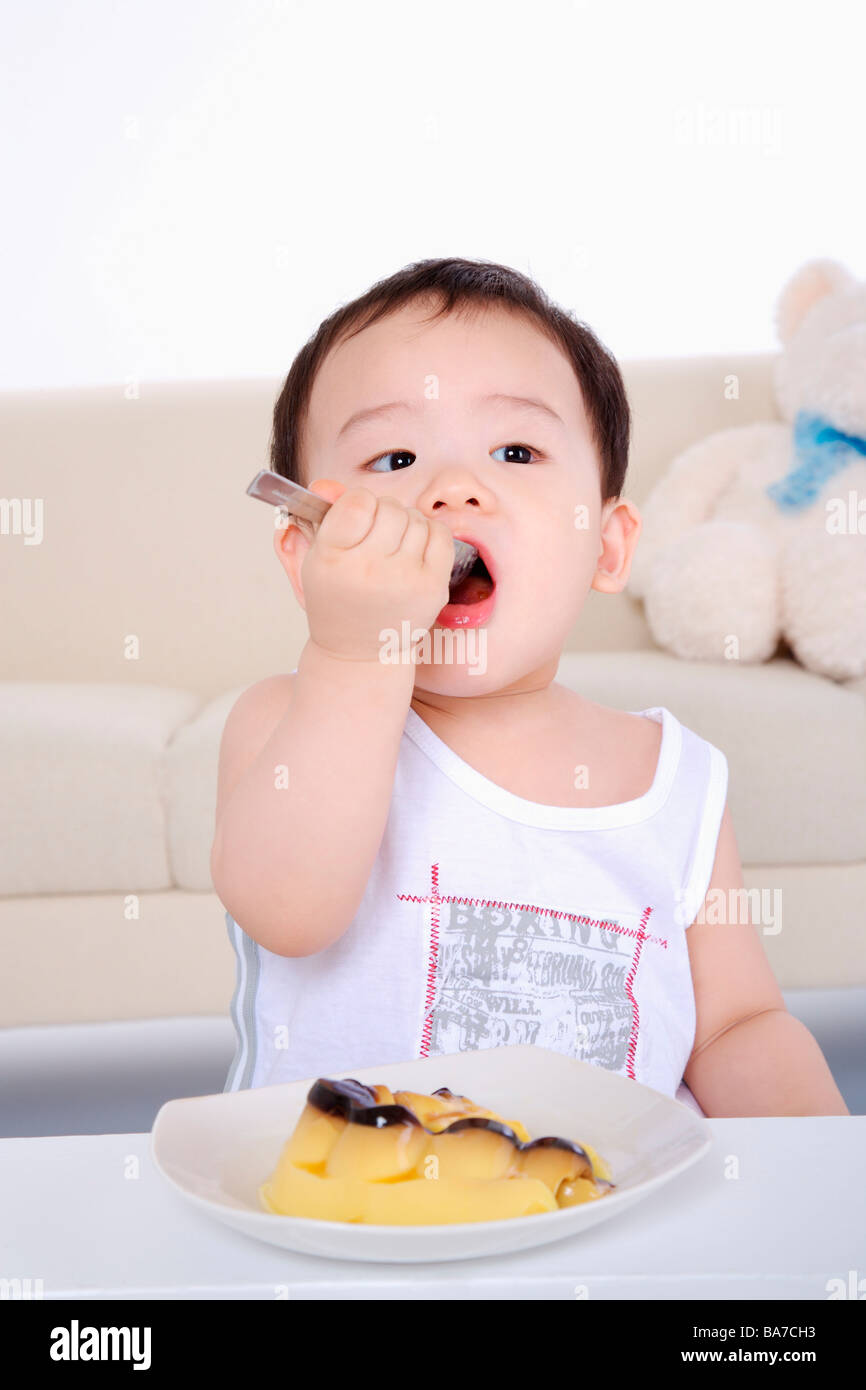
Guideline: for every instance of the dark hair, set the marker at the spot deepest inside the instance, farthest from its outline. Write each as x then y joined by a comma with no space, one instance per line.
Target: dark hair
461,283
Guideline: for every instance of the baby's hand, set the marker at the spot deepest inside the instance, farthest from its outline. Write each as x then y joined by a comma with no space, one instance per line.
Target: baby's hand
373,565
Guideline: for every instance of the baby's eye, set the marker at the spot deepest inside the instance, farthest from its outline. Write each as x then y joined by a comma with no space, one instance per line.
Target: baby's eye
393,454
512,449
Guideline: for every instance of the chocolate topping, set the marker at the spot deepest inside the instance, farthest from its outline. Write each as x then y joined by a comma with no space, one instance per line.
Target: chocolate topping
339,1096
355,1102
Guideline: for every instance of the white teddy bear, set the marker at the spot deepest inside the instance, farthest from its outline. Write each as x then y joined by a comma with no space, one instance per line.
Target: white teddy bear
758,533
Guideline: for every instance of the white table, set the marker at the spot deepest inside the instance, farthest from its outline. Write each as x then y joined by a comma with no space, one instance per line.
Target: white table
91,1217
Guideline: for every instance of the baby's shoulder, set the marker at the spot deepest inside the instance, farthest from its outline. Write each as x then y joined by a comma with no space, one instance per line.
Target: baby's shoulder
629,745
617,728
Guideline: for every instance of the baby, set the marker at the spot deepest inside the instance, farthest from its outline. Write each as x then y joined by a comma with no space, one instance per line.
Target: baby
424,843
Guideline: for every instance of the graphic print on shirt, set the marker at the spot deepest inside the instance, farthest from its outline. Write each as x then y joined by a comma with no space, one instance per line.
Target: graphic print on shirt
506,973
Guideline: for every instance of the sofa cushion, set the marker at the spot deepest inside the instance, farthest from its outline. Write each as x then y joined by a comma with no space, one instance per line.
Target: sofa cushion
83,958
82,795
795,744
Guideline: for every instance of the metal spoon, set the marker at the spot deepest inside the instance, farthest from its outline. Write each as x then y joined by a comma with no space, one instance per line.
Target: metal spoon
307,506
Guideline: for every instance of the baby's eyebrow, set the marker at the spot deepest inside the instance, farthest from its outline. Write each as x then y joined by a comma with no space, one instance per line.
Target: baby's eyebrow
375,412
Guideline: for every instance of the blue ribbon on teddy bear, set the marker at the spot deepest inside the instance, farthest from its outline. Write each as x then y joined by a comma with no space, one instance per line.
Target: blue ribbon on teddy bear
820,450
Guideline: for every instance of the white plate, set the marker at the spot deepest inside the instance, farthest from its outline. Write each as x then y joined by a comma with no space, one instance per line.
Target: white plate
215,1150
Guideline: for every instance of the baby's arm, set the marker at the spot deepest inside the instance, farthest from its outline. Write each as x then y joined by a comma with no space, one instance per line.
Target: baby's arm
306,771
751,1057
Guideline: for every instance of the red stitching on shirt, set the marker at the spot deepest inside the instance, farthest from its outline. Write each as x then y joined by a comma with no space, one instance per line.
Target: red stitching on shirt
431,968
632,1042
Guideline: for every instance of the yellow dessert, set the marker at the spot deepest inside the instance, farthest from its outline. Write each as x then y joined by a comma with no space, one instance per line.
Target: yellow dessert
364,1153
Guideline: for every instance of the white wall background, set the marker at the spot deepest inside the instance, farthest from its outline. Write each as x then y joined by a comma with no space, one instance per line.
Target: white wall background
192,185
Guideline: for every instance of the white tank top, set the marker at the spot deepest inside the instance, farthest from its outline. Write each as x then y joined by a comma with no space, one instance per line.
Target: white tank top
490,920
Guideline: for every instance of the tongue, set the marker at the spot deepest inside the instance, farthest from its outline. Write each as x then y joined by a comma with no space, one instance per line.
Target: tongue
472,589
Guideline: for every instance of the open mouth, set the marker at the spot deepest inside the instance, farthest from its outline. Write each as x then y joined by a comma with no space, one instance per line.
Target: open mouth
475,587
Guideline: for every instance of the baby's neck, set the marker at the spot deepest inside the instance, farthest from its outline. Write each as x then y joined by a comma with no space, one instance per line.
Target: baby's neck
515,707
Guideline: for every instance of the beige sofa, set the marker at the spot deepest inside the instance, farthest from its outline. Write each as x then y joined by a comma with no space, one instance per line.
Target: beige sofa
150,597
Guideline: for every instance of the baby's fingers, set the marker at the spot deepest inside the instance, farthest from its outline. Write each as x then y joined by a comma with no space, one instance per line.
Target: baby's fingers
349,519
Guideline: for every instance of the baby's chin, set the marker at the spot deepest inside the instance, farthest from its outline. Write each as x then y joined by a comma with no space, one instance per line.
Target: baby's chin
480,669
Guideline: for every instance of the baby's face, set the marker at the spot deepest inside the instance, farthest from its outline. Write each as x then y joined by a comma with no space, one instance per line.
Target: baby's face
522,480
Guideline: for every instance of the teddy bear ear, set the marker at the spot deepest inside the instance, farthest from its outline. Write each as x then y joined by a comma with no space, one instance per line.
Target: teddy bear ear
810,283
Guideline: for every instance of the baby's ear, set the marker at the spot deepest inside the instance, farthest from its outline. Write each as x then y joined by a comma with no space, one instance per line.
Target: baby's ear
813,281
291,543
